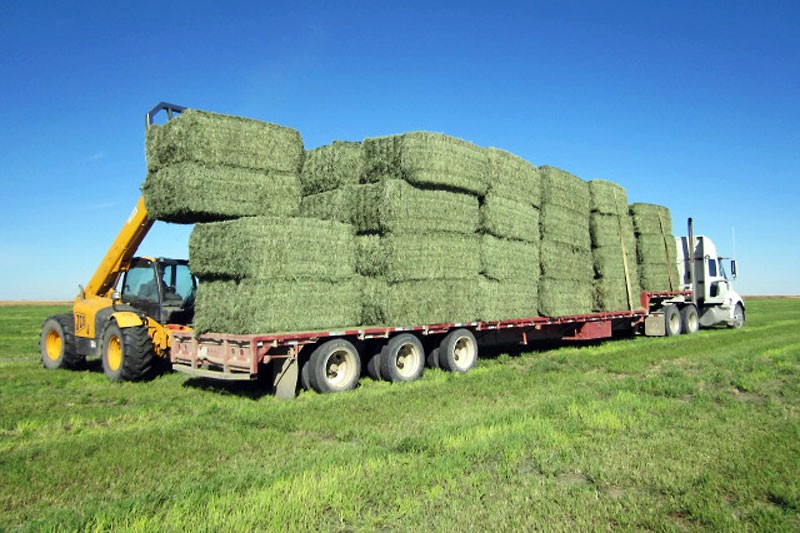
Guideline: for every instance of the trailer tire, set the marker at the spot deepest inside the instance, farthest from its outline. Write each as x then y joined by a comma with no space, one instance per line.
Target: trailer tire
305,381
403,358
128,354
432,360
458,351
57,343
374,366
690,321
672,320
738,317
334,366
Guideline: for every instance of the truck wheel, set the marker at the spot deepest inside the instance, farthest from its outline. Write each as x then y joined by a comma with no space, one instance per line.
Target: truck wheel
374,366
128,354
57,343
403,358
305,381
334,366
458,351
738,317
433,358
690,322
672,320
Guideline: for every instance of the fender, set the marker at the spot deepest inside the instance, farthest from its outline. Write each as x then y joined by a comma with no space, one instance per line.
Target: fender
126,319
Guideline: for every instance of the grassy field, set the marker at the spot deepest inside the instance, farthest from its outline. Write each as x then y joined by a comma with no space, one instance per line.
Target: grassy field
699,432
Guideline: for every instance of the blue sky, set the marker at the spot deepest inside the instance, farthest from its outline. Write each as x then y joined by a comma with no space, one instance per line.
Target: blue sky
693,105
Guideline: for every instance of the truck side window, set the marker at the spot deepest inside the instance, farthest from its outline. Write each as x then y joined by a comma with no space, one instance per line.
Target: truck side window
712,267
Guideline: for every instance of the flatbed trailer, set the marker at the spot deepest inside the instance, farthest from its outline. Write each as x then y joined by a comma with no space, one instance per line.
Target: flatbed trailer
244,357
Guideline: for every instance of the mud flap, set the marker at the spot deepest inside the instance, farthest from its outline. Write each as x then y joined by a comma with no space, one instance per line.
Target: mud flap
284,377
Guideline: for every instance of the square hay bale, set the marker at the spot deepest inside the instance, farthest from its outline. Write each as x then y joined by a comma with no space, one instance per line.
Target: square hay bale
559,297
511,219
564,189
332,166
656,248
605,231
338,205
427,159
608,263
655,278
508,300
514,178
425,256
565,225
508,260
272,248
190,192
651,218
563,261
612,295
608,198
257,307
412,303
215,139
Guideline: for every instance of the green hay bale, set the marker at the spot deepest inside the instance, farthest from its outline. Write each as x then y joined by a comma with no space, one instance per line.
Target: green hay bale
656,249
655,278
330,167
253,307
423,256
509,218
564,189
189,192
565,225
413,303
271,248
504,300
612,295
508,260
605,231
563,261
514,178
214,139
646,218
427,159
558,297
608,263
338,205
608,198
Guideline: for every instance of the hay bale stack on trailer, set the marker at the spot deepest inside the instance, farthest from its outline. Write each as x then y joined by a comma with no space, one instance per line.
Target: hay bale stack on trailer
655,247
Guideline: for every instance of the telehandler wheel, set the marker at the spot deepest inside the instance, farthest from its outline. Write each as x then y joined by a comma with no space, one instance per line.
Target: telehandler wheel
738,317
403,358
690,322
672,320
57,343
334,366
458,351
128,354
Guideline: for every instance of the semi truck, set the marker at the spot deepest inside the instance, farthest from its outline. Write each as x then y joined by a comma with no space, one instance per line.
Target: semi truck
137,311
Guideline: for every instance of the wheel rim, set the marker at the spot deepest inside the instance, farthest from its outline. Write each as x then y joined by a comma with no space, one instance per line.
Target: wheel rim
464,353
53,345
340,368
674,323
408,360
738,317
114,353
692,322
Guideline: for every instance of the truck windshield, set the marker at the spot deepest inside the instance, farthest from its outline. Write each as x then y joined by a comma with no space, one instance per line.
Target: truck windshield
722,269
140,284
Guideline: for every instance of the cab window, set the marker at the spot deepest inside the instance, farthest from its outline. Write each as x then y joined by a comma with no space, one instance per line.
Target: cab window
140,284
712,267
178,284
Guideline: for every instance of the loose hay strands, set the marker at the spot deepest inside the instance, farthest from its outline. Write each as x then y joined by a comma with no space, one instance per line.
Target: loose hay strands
332,166
608,198
271,248
514,178
507,300
215,139
558,297
564,189
427,159
511,219
190,192
253,307
566,262
507,260
565,225
646,218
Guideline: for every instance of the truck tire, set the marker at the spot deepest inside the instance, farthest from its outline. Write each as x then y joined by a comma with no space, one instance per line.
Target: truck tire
374,366
403,358
57,343
305,381
128,354
672,320
334,366
458,351
690,320
432,360
738,317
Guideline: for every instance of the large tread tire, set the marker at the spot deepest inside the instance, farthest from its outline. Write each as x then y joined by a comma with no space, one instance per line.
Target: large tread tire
334,366
57,343
672,321
738,317
690,320
458,351
128,354
402,359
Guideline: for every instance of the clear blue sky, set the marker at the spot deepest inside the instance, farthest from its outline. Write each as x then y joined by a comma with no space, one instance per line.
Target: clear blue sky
695,105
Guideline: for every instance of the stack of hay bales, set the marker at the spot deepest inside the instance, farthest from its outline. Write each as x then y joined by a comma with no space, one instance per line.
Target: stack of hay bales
567,277
616,283
509,251
655,247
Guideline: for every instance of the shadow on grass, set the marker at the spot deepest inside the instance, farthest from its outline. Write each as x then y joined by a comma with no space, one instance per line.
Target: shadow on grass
253,390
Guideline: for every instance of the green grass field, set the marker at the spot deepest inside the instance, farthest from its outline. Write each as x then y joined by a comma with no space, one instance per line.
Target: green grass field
699,432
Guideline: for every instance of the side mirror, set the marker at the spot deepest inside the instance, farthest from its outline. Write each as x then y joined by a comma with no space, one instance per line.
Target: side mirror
733,268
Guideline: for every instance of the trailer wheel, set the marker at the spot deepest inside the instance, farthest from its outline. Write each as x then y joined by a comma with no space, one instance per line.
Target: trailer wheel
458,351
334,366
128,354
305,381
403,358
374,366
57,343
738,317
690,322
432,360
672,320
